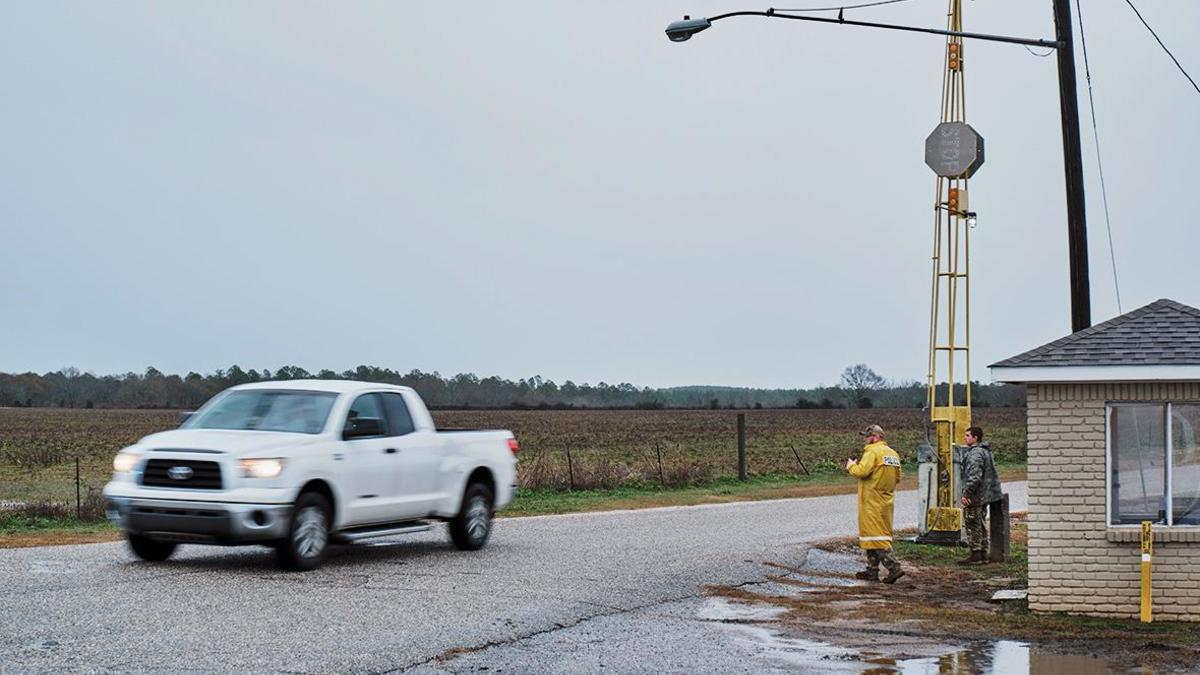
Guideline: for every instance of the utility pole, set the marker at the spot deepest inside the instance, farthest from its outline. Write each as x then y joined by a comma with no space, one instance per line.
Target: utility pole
1081,298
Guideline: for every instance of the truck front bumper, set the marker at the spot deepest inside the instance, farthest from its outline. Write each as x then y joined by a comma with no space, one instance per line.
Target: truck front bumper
201,522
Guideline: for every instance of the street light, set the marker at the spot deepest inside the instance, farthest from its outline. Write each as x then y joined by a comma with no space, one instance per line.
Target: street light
1081,312
679,31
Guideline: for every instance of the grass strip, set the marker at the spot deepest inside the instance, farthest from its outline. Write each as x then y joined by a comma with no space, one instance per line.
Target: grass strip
19,530
1015,568
720,491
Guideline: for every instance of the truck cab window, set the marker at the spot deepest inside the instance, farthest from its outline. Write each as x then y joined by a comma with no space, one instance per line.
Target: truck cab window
367,407
399,419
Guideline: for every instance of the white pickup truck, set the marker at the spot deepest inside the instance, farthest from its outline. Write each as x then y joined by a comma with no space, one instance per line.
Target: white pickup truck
300,464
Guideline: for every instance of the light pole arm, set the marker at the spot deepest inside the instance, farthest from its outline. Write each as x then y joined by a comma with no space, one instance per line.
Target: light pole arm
770,13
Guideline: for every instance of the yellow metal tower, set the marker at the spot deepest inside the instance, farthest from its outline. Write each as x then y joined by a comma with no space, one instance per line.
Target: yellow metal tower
950,314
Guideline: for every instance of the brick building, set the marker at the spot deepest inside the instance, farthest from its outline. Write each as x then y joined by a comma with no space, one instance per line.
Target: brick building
1114,439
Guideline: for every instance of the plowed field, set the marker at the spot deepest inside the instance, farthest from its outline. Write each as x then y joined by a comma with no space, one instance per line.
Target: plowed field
559,449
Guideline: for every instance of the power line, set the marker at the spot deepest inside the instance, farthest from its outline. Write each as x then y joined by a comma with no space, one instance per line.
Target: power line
1160,43
1087,69
841,7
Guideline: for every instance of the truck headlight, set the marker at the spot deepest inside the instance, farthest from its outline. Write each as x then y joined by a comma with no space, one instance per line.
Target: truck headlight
125,461
261,468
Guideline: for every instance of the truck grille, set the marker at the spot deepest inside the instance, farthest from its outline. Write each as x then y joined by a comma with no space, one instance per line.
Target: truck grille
182,473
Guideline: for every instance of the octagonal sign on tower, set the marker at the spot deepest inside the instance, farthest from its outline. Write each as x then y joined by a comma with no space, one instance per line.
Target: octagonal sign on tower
954,150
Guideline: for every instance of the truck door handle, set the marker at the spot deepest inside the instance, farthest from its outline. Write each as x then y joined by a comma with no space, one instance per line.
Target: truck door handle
390,451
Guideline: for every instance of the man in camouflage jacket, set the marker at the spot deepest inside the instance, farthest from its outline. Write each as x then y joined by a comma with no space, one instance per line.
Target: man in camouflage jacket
981,486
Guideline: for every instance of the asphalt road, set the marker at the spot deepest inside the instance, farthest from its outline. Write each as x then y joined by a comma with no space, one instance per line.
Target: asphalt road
616,592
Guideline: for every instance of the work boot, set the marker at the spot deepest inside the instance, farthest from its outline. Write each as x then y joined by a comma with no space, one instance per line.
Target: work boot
893,575
867,575
975,558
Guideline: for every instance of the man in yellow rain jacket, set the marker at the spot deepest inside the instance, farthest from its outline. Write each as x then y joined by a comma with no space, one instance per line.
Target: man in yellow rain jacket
877,471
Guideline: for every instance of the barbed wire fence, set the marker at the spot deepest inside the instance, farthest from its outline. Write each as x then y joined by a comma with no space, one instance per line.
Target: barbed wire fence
579,463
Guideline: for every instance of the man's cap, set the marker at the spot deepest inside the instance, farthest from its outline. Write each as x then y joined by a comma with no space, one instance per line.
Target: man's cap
873,430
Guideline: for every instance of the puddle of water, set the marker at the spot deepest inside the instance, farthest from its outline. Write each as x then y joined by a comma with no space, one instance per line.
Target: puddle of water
999,658
1004,657
817,583
801,656
720,609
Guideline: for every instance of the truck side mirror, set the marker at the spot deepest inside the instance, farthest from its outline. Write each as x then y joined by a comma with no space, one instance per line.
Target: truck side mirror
361,427
185,415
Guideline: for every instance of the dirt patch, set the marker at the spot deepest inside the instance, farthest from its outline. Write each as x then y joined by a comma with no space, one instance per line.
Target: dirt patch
55,538
949,604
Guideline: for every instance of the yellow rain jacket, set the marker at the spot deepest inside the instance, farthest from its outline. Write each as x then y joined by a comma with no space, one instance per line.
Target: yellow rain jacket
877,472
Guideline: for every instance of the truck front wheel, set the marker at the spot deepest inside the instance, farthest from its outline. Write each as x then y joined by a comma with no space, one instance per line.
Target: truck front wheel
469,529
308,535
149,549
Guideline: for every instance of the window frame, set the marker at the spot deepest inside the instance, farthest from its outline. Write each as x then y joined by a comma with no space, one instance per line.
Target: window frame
383,420
1168,463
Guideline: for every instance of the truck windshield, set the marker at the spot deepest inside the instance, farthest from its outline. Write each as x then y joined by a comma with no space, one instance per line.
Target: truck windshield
302,412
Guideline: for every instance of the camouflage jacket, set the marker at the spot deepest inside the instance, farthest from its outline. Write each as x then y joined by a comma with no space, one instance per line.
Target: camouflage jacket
981,483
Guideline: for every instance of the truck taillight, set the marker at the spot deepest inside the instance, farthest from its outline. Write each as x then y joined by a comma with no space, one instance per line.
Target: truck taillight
514,445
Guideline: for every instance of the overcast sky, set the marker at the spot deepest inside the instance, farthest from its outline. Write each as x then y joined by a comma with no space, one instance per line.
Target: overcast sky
553,188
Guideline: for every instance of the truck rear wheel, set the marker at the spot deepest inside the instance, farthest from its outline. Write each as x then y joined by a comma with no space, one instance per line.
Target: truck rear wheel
149,549
469,530
308,534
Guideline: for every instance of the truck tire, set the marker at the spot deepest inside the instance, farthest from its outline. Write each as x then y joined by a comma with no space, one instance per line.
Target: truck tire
469,530
308,534
149,549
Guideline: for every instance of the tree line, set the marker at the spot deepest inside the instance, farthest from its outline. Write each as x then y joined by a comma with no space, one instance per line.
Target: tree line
859,387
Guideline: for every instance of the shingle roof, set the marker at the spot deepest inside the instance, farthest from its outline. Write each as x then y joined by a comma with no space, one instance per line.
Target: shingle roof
1162,333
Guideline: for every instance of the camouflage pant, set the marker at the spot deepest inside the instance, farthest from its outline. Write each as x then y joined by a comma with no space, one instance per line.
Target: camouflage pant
875,556
973,517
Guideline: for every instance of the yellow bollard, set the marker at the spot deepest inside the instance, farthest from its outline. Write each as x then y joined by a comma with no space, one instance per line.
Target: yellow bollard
1147,546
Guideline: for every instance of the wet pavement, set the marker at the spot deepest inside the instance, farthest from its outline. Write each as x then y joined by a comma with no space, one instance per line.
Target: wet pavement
716,635
721,635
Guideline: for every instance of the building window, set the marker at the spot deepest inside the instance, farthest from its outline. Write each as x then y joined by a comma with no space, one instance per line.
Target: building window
1154,463
1185,464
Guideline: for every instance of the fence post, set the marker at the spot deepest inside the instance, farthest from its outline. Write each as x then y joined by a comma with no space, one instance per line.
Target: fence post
999,534
741,426
570,470
78,506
